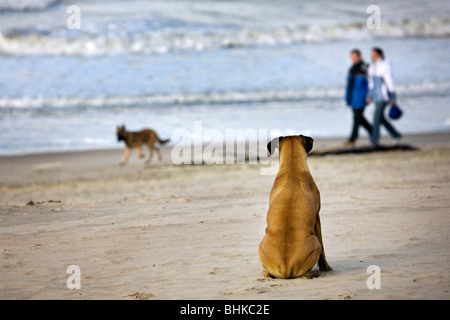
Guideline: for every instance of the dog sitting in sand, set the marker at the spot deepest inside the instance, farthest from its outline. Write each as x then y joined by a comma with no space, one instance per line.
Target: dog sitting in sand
293,241
132,140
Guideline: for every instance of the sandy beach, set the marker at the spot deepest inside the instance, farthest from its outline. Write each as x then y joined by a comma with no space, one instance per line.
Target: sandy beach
192,231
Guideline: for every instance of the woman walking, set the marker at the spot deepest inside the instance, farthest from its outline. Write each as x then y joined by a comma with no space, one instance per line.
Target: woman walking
382,93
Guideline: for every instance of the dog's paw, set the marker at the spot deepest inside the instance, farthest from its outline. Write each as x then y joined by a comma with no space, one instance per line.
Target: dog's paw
312,274
324,268
266,273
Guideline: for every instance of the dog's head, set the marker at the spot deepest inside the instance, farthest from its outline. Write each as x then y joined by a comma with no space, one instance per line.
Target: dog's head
120,133
307,143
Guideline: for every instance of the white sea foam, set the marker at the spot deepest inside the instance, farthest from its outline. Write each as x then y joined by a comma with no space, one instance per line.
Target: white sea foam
224,98
95,41
25,5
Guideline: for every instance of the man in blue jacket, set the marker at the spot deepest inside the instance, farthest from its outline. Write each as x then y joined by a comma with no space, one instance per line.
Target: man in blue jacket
356,93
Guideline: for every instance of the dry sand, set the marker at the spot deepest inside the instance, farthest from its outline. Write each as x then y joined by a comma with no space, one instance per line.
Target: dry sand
192,231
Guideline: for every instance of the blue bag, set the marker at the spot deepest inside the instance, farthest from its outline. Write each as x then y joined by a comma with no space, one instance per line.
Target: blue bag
395,112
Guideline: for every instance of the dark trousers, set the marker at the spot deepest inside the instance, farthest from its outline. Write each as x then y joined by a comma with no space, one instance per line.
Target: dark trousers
359,120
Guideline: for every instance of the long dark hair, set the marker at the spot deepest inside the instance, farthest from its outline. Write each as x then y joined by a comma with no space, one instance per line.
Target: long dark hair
379,51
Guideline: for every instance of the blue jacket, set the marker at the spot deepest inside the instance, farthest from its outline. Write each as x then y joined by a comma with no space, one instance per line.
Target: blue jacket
357,86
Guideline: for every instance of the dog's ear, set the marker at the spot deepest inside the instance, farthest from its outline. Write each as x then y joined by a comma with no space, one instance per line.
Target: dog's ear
308,143
272,145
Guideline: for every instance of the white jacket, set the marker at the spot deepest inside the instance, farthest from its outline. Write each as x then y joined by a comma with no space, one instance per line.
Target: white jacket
381,81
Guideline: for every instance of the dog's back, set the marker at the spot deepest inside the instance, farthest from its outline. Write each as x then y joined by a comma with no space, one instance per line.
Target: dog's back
291,247
133,139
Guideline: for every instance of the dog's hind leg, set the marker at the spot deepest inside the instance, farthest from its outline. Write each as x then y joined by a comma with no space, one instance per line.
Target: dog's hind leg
159,154
150,156
323,264
139,151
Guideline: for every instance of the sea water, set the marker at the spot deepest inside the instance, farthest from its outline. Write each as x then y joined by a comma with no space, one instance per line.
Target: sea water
255,64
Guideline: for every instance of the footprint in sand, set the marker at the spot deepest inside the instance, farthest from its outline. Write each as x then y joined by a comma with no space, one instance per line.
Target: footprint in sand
139,296
428,279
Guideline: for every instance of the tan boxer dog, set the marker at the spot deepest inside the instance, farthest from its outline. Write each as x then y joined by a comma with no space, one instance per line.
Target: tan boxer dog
293,241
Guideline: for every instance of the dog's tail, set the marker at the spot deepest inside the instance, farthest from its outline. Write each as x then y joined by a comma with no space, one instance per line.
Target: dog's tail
162,141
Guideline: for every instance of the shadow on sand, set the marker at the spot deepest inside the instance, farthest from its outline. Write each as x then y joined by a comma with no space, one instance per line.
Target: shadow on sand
362,149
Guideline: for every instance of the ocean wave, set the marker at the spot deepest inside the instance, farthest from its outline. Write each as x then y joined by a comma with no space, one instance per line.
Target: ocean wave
222,98
109,40
160,100
25,5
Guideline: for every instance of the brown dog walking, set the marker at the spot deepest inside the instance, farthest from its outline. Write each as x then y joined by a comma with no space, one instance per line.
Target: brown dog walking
137,139
293,241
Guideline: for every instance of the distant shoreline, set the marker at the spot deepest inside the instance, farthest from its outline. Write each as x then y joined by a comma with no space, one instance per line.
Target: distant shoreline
416,138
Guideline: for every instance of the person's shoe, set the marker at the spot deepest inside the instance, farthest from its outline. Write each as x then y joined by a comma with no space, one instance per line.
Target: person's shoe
349,144
398,140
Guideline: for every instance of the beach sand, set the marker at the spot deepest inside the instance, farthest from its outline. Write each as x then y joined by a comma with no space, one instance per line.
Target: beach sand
192,231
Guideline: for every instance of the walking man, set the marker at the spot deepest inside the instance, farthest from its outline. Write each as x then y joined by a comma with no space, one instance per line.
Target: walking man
356,93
